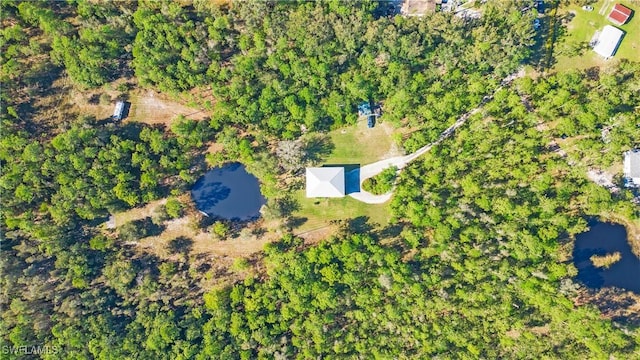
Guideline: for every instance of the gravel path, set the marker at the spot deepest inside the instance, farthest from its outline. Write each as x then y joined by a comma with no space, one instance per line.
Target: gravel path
400,162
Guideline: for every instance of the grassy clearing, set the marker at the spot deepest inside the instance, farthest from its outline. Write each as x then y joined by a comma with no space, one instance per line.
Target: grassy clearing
353,145
361,145
152,108
318,213
241,245
146,106
581,27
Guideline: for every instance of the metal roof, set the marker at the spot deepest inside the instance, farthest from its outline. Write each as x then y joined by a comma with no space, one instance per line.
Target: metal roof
608,41
619,14
632,164
325,182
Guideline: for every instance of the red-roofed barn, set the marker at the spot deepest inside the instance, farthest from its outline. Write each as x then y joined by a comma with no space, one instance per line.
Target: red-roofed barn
619,14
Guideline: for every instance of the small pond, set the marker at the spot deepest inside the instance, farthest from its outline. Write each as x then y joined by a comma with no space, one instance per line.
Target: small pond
603,239
228,192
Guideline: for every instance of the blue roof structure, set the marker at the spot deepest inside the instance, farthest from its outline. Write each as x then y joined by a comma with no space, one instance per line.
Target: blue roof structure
364,109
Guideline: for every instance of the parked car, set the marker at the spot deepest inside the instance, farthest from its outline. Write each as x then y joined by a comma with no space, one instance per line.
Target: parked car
371,121
587,8
539,4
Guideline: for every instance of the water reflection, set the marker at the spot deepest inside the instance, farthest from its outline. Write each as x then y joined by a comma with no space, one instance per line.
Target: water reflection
228,192
603,239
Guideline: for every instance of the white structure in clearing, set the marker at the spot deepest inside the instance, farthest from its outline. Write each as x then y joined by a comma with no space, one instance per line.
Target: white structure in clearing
631,167
118,113
608,41
325,182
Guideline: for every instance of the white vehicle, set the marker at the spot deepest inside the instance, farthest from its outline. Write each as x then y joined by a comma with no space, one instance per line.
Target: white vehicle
587,8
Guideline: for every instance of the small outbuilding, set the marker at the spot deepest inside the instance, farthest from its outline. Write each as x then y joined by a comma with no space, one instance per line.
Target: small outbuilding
118,113
325,182
608,41
370,112
631,168
619,14
364,109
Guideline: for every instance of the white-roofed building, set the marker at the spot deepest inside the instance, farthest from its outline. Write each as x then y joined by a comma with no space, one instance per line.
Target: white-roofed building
631,168
118,113
608,41
325,182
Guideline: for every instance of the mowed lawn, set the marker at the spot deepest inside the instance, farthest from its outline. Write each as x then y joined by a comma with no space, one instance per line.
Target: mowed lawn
317,213
360,145
354,145
584,25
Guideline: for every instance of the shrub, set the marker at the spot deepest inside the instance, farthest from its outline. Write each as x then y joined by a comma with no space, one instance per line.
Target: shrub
220,229
381,183
174,208
100,242
160,215
132,231
105,99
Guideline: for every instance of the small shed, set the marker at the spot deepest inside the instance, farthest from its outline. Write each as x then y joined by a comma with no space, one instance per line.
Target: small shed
118,113
619,14
364,109
608,41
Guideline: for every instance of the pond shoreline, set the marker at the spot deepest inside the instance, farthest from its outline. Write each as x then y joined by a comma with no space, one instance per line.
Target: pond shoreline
633,230
601,241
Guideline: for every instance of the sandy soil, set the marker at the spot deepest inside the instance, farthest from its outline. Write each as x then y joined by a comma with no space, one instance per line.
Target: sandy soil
152,108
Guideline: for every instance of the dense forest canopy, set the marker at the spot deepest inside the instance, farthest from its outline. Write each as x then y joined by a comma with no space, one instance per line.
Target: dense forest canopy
470,267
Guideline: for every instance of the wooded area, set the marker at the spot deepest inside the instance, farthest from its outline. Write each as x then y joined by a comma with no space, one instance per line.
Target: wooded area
471,266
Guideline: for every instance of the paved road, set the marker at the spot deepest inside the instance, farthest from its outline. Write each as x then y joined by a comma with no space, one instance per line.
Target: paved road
400,162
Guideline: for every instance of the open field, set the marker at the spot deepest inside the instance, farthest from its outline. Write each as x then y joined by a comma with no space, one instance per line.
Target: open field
361,145
152,108
581,25
317,213
146,106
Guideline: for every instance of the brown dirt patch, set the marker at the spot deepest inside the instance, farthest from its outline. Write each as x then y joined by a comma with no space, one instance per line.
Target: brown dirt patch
614,304
514,334
245,245
137,213
153,108
541,330
313,237
214,148
146,106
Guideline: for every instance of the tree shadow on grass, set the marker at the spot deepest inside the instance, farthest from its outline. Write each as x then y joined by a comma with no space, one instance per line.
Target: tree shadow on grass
357,225
180,245
317,148
296,221
391,231
138,229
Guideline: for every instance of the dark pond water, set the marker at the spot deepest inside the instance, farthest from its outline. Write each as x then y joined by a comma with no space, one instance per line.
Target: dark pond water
604,238
228,192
